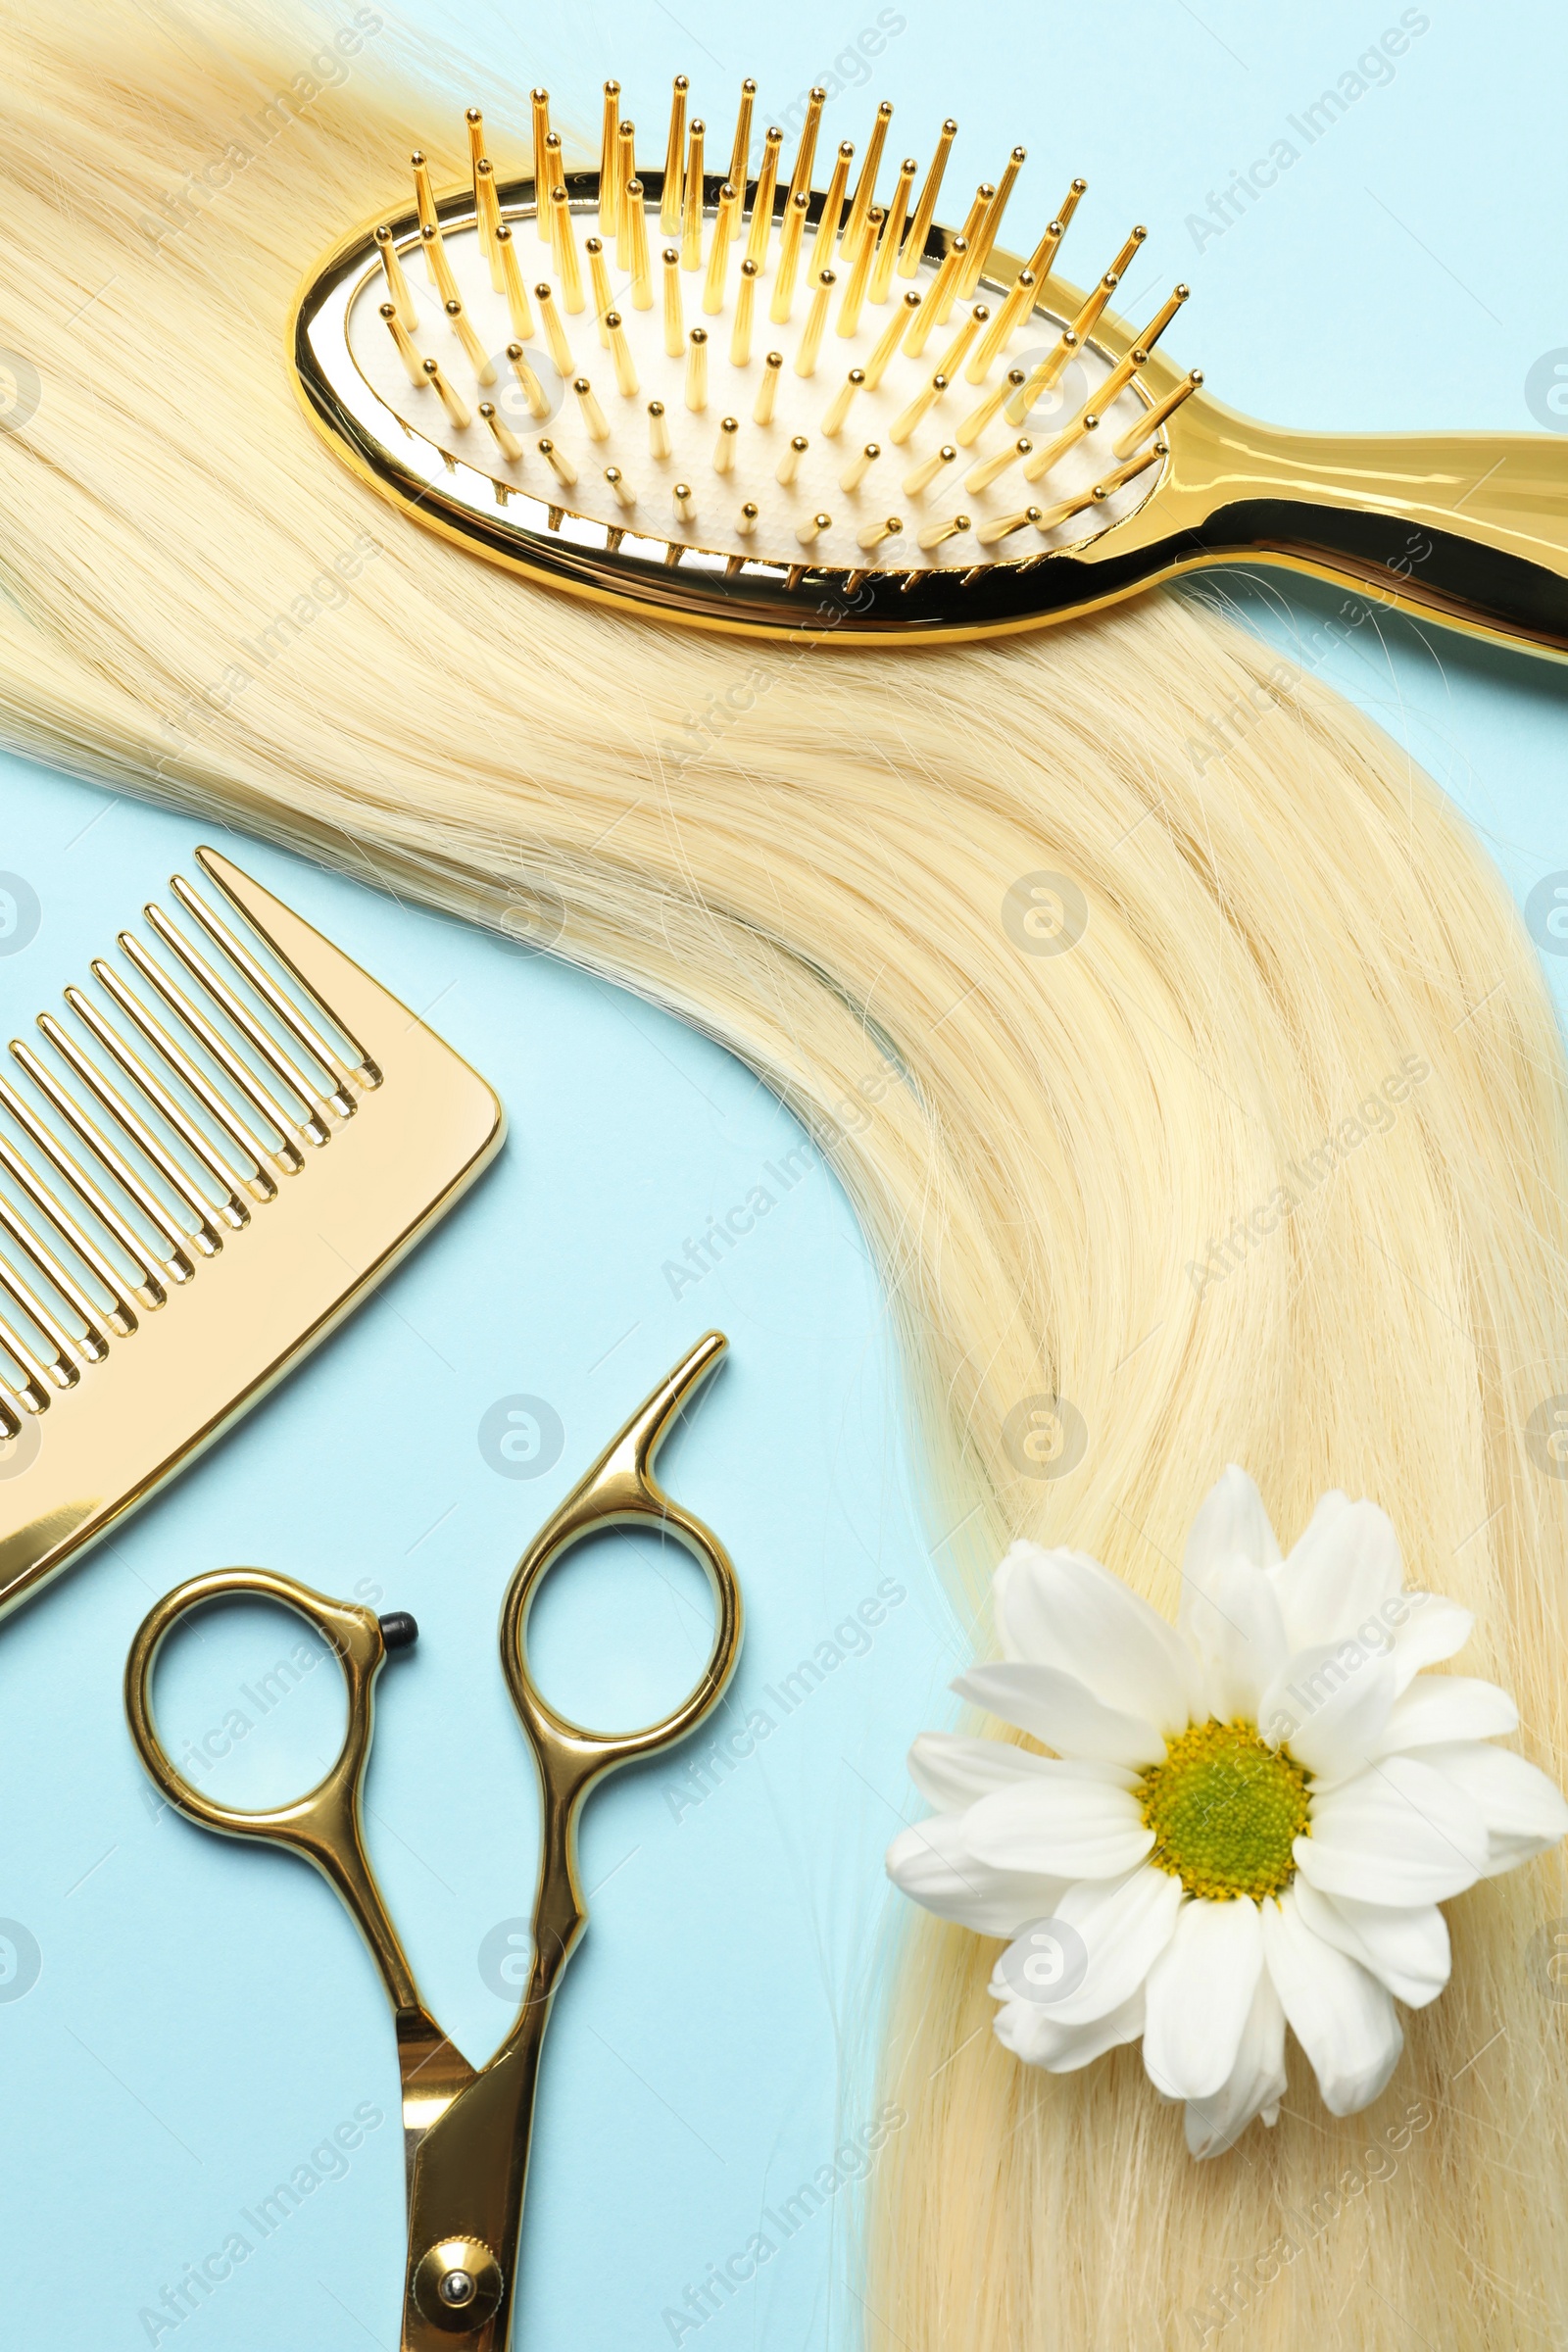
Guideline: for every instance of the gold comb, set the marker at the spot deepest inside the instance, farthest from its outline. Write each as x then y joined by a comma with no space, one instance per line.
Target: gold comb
757,406
202,1170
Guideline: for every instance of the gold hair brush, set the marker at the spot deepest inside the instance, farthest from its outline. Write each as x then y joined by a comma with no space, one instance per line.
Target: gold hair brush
757,405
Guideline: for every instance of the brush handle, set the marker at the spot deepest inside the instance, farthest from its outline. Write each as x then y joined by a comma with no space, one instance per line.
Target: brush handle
1470,529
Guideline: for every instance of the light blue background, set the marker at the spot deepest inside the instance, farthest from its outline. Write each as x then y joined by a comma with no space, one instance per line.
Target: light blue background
205,2015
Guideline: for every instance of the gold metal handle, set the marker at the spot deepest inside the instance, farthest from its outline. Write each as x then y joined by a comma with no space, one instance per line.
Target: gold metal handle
470,2172
323,1825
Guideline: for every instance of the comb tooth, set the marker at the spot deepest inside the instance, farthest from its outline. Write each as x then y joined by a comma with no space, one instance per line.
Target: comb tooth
887,252
806,153
839,406
788,261
435,255
859,466
789,465
555,333
407,352
1000,333
1119,267
397,285
149,1288
1156,416
974,424
697,369
517,293
555,167
990,469
873,534
315,1128
506,439
746,520
540,100
1044,377
63,1367
601,292
908,417
762,201
718,252
621,355
815,320
476,122
533,391
669,207
180,1266
487,211
658,440
595,422
925,212
288,1157
1003,526
724,447
425,196
233,1210
989,228
567,267
641,276
740,153
1102,490
1043,260
957,349
920,478
893,335
684,504
364,1074
34,1394
740,341
624,494
832,214
812,528
675,314
691,233
263,1186
119,1315
474,351
625,173
608,150
560,465
859,277
933,311
450,399
768,389
1040,464
866,187
93,1342
1127,368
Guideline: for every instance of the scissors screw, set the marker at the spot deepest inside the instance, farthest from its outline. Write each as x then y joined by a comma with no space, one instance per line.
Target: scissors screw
399,1631
458,2284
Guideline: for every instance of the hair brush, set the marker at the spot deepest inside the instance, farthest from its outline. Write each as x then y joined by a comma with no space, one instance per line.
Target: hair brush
755,404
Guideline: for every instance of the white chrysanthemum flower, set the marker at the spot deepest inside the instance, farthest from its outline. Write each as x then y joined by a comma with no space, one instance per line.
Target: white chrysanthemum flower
1248,1821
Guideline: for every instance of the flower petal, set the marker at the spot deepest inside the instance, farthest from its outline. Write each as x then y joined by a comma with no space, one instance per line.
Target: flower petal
1523,1810
1341,1573
1343,2017
1074,1821
1124,1927
1199,1993
1038,2037
952,1772
1433,1631
1229,1523
1231,1616
1407,1950
1401,1832
1063,1609
1331,1705
1061,1710
933,1865
1255,2083
1441,1707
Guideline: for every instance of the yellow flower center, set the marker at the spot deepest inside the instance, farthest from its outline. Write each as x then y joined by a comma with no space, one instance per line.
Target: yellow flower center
1226,1810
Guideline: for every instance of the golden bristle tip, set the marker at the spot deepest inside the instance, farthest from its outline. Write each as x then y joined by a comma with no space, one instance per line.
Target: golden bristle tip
964,303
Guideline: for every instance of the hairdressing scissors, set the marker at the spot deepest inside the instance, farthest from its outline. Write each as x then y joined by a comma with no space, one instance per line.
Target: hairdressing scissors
465,2130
